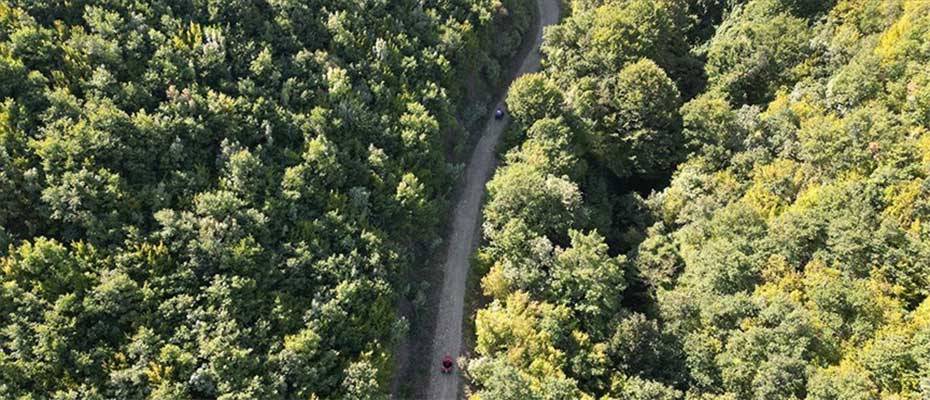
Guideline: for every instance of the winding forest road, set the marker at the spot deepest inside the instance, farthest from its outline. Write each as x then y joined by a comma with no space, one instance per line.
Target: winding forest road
447,339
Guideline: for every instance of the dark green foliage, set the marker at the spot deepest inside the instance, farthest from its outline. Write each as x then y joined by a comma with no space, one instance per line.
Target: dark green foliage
756,50
636,127
215,199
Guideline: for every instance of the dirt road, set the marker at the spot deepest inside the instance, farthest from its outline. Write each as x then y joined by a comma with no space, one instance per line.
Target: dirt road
447,338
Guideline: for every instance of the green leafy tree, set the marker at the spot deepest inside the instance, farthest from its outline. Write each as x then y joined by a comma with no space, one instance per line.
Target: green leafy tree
637,128
548,205
750,71
585,278
533,97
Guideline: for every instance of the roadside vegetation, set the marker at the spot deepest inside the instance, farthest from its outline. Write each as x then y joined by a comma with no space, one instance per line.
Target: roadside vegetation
218,199
714,200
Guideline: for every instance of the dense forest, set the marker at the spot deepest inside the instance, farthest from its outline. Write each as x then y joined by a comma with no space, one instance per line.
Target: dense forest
714,199
206,199
697,199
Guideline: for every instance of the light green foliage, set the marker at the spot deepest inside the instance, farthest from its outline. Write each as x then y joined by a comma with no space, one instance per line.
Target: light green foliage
713,129
518,354
815,241
586,279
635,388
533,97
547,204
600,39
552,148
787,256
841,382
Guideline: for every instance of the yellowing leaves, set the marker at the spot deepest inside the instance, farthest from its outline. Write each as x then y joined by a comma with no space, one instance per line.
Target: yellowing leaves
494,283
904,37
522,330
189,38
775,187
923,144
908,202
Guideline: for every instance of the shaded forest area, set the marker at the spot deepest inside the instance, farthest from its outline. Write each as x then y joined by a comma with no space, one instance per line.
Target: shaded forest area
784,252
209,199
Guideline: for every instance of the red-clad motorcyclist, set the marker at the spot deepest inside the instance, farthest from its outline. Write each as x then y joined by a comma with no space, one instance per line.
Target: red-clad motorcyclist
447,364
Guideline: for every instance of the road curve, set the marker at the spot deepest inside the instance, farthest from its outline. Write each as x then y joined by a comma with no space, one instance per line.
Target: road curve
447,339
